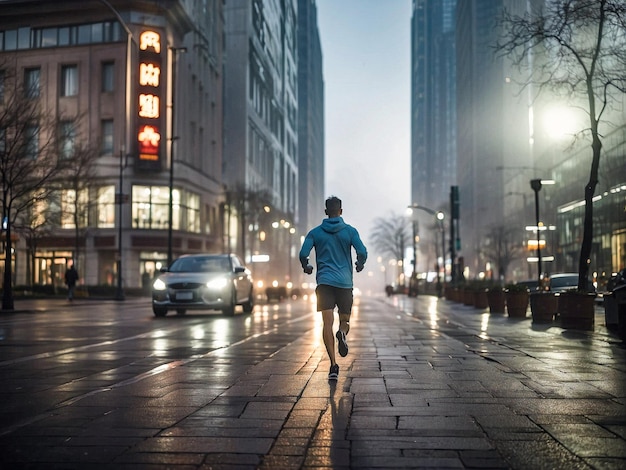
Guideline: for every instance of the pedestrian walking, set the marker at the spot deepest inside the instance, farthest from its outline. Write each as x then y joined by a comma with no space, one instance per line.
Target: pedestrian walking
71,277
333,241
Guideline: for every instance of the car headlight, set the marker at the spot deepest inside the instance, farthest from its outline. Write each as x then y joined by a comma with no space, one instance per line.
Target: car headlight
159,285
218,283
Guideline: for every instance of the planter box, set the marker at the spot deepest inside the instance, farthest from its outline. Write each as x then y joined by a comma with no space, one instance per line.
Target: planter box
468,297
516,304
577,310
480,299
496,301
543,306
611,312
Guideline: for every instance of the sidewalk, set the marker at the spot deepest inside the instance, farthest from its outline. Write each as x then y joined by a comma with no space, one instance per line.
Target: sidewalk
534,397
427,383
439,385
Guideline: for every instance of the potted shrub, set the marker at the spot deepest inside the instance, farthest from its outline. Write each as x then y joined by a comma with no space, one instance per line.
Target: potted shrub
543,306
495,299
577,309
479,291
468,295
516,296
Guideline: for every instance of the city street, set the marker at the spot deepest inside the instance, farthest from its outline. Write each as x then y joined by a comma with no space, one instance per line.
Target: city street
427,383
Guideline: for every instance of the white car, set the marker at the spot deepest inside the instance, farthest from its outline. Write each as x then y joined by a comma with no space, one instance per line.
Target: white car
562,282
203,282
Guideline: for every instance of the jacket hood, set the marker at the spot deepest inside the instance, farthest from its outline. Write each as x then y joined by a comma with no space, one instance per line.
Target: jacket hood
333,224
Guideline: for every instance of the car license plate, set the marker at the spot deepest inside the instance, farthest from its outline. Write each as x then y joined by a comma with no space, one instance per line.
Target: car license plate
188,295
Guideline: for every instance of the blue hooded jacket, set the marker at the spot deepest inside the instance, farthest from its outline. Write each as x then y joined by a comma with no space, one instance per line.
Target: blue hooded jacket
333,240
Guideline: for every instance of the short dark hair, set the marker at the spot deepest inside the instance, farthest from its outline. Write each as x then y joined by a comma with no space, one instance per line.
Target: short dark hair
333,204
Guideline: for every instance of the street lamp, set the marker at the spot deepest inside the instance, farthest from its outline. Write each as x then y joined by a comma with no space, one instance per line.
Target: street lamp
175,51
119,295
126,145
439,215
536,185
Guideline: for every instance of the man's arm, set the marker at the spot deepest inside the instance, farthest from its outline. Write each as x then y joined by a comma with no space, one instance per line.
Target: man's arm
361,251
307,246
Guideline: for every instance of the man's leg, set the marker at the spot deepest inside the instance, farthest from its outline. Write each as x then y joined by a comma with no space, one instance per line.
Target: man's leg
344,322
344,327
344,304
328,317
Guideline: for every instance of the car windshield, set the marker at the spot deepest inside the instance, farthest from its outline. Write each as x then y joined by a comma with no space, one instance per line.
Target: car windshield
565,281
200,265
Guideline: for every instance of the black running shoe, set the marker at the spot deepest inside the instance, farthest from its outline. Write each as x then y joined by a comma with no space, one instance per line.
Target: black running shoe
343,346
334,372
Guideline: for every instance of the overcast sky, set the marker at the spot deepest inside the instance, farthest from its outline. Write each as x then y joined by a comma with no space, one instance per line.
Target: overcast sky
366,53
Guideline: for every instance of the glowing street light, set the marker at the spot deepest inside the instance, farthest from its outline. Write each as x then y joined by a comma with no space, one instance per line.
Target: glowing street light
536,185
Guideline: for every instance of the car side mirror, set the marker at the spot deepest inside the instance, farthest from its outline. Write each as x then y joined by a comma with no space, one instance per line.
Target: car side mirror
240,269
163,269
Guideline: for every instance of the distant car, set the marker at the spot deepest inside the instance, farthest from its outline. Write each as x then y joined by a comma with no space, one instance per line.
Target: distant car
203,282
531,284
562,282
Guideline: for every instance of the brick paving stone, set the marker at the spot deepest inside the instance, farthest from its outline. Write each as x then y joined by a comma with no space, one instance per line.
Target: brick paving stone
467,390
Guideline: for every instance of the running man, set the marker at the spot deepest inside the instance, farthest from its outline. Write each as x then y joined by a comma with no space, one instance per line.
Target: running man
333,241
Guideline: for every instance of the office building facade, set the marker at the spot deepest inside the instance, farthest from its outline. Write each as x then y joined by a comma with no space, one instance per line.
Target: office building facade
311,166
261,134
115,76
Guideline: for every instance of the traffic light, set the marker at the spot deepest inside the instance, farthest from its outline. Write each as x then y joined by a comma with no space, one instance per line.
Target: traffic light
454,201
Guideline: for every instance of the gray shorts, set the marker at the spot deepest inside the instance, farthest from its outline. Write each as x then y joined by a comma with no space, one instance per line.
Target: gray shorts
329,296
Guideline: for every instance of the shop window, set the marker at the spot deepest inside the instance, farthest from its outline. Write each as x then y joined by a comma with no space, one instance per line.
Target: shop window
106,207
73,208
150,207
193,213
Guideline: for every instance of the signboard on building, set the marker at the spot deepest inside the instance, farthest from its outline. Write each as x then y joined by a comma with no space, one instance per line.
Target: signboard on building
150,96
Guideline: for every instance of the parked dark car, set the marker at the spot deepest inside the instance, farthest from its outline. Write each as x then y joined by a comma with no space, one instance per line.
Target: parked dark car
203,282
531,284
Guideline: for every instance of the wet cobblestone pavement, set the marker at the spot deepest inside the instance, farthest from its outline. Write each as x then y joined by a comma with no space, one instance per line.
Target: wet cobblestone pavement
427,384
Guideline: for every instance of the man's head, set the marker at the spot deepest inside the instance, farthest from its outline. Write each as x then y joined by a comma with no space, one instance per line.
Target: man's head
333,206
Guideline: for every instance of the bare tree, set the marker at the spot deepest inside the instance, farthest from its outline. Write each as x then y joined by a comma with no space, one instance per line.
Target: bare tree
391,236
246,204
583,47
502,246
28,162
75,180
34,224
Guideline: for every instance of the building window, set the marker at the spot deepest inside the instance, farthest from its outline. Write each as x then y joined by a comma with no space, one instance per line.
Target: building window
74,209
90,33
23,38
31,82
108,77
64,36
53,212
151,207
10,40
107,137
193,212
69,80
48,37
67,140
32,141
84,34
106,207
